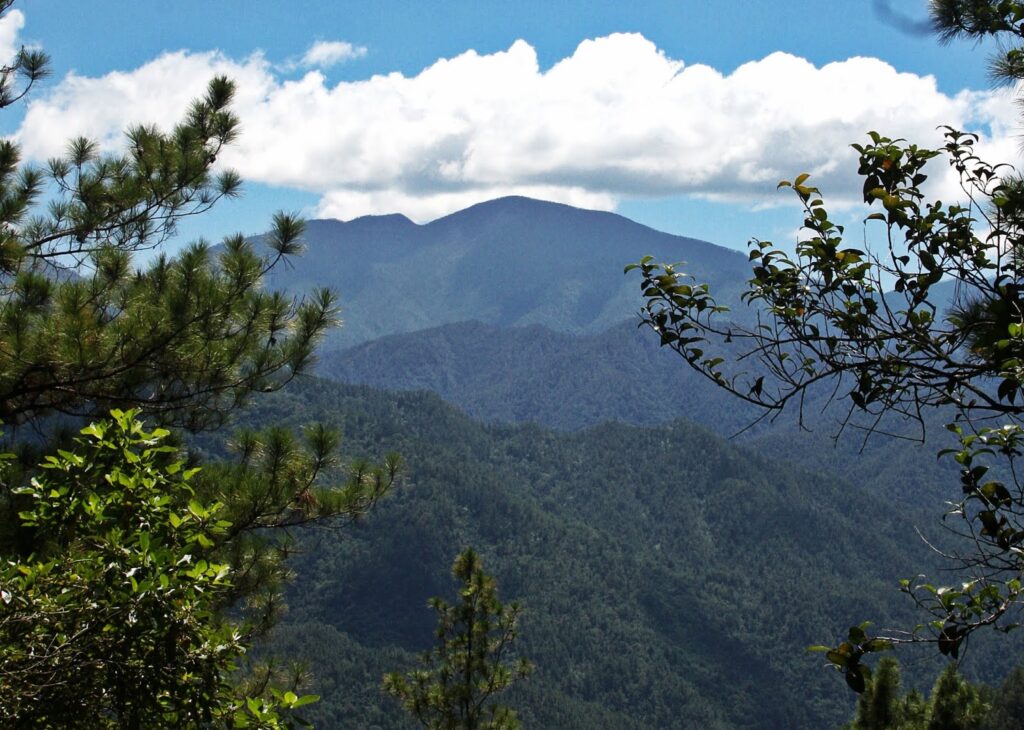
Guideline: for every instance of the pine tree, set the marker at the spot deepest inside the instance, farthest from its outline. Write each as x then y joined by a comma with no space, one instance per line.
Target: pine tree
955,704
85,328
471,662
1008,704
97,322
878,707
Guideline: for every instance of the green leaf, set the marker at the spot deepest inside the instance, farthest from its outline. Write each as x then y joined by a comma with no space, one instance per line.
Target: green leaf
204,541
857,678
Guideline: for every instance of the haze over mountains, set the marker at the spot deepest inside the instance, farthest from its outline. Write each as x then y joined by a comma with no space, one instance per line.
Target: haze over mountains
671,578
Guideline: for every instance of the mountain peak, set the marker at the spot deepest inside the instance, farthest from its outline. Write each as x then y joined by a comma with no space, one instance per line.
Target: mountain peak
508,261
385,218
519,205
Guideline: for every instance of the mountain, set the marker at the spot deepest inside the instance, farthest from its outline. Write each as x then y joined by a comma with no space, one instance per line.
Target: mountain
567,382
511,261
670,578
536,374
516,310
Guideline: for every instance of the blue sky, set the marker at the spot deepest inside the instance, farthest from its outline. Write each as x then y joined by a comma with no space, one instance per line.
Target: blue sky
678,114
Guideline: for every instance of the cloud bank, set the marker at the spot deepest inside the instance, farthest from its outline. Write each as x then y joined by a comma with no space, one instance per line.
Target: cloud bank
616,119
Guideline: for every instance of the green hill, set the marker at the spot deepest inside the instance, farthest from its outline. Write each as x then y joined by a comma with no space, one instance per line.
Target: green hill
671,579
567,382
535,374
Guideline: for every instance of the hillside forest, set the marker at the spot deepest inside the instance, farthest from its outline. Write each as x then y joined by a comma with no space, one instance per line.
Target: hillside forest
469,473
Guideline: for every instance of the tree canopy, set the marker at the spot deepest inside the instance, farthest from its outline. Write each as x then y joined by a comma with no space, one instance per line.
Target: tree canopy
132,582
872,329
472,661
954,703
88,327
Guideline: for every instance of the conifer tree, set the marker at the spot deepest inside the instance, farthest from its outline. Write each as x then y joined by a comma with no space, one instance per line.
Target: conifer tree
472,661
1007,711
955,704
96,319
878,706
87,327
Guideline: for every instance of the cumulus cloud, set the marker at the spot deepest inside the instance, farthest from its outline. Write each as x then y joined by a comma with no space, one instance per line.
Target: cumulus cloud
157,93
324,54
10,26
618,118
346,204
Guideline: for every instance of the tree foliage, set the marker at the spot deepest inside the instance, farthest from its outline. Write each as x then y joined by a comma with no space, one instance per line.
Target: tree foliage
1007,711
138,561
871,326
277,482
84,328
132,585
471,662
19,74
116,620
882,707
954,703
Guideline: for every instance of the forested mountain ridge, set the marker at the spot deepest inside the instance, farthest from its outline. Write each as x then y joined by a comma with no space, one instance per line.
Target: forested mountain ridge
671,579
510,261
619,538
534,373
565,381
516,310
668,577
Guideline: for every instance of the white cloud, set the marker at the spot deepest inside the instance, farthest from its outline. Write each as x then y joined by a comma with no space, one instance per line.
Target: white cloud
10,26
347,204
617,118
157,93
324,54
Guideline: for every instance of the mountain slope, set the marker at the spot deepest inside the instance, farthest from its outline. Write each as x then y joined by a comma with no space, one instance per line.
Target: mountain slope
511,261
671,579
535,374
567,382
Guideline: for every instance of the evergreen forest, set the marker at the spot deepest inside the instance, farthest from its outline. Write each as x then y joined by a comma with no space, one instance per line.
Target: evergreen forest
521,465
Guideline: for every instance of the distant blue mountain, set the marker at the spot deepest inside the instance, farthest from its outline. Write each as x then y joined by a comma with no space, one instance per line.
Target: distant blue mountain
517,310
511,262
567,382
535,374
